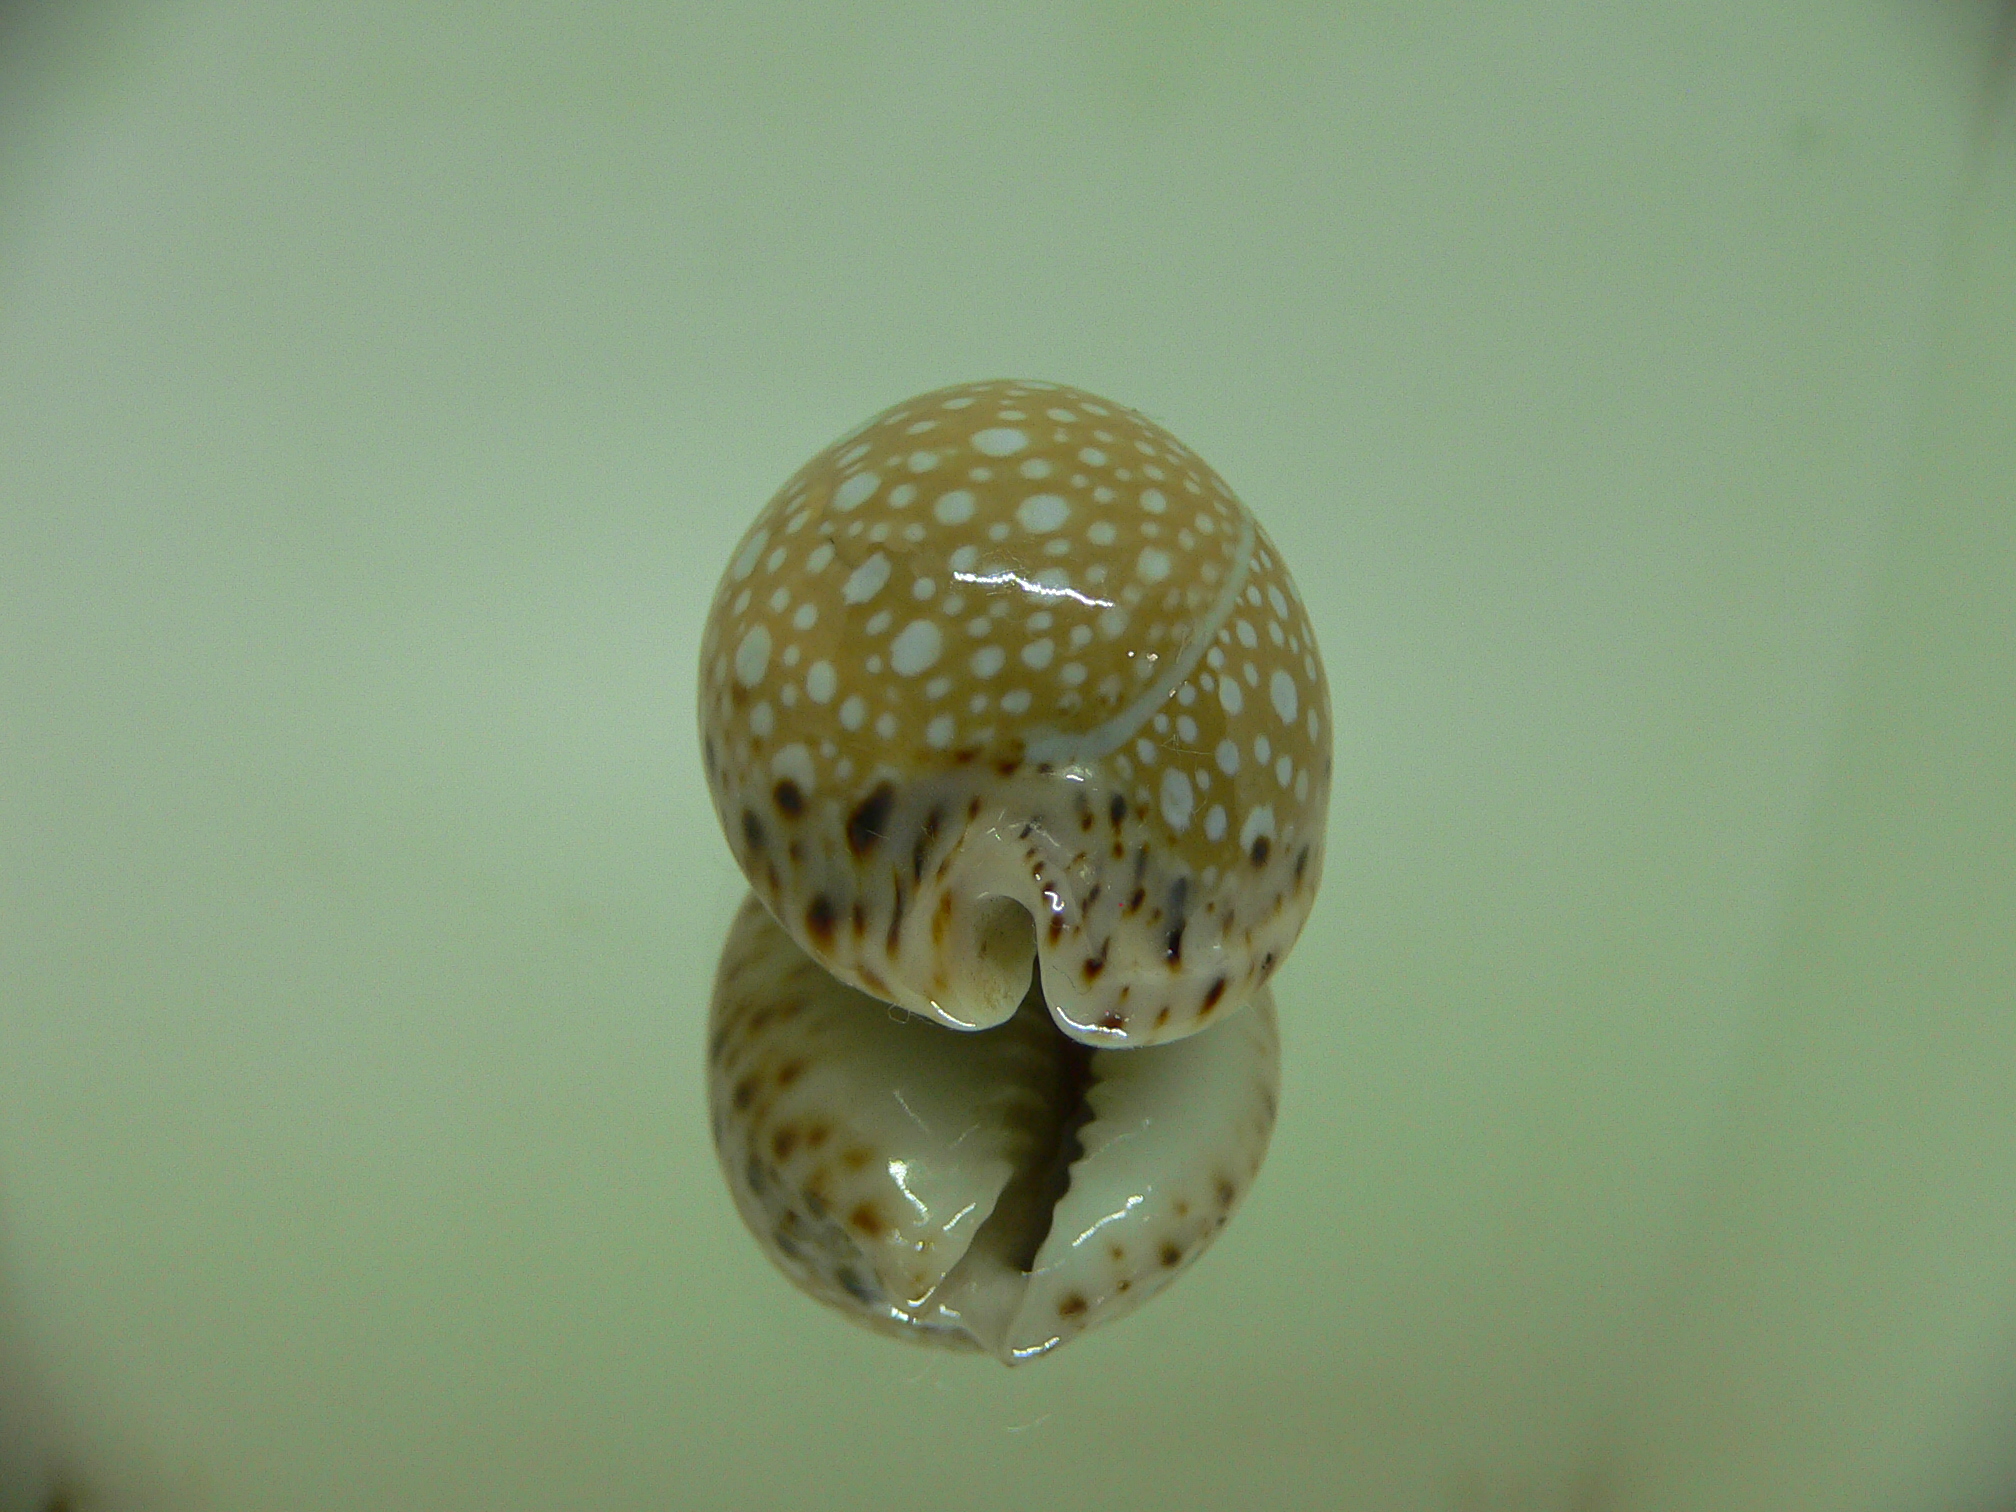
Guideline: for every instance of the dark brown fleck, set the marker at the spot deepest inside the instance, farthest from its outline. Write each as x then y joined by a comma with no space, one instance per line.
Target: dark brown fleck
1211,996
819,918
896,913
925,838
1072,1306
1171,1254
752,829
865,824
789,798
1260,849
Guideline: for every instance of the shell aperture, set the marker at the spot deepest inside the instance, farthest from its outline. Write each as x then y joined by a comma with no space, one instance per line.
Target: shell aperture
1004,1190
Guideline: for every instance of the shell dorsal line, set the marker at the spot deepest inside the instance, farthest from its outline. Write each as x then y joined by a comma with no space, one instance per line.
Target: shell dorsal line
1104,739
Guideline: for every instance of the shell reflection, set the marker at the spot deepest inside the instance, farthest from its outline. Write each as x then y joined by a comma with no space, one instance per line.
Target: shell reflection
1002,1190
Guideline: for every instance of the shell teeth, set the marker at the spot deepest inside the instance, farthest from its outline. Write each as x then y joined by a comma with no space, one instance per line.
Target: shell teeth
1002,1190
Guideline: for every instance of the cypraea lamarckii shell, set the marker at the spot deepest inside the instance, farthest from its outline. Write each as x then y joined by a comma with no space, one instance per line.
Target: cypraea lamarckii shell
1002,1190
1010,674
1014,720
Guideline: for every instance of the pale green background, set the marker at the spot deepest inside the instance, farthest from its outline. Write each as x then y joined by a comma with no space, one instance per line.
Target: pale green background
381,389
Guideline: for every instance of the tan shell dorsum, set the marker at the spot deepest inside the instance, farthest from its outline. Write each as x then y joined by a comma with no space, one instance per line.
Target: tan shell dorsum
1001,1191
1009,671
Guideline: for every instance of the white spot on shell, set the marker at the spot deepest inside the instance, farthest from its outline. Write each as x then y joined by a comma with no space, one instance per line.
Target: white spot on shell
752,656
1015,701
1282,687
762,719
1042,512
821,557
1152,565
1259,822
1230,696
916,647
1177,800
795,762
938,733
751,553
865,581
999,440
954,508
856,491
1228,757
1214,822
820,683
1153,501
1036,655
987,661
807,616
853,712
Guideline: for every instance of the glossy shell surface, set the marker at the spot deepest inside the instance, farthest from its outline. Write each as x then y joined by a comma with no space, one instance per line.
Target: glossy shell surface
1009,671
1001,1191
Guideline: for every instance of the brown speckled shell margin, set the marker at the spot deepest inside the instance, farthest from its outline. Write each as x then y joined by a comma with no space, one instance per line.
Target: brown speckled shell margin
1006,670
